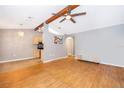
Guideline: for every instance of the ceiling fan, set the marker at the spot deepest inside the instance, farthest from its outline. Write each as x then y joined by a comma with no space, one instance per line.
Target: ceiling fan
69,16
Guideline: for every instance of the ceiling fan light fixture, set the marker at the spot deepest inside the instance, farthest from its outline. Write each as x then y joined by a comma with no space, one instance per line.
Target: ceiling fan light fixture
68,17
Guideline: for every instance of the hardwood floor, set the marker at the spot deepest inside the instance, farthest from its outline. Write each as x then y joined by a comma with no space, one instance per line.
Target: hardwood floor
10,66
65,73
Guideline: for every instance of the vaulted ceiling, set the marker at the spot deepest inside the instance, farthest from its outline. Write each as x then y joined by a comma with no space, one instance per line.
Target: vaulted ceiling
12,16
96,17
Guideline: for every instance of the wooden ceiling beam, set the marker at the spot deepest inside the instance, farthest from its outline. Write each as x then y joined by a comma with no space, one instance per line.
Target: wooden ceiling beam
59,14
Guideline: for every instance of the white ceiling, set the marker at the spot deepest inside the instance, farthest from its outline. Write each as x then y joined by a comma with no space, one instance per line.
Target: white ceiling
96,17
12,16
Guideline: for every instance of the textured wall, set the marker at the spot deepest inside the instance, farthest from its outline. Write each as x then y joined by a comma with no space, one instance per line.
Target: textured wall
105,45
14,47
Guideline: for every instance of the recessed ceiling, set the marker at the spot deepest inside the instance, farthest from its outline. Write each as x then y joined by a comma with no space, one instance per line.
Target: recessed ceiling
30,16
96,17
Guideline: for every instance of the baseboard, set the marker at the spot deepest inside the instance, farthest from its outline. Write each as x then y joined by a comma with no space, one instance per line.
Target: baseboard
88,61
111,64
16,60
100,62
46,61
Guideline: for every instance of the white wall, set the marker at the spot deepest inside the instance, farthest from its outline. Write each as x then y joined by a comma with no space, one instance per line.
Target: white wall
52,51
105,45
13,47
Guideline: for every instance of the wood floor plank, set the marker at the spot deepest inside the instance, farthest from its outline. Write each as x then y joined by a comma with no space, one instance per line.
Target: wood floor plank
64,73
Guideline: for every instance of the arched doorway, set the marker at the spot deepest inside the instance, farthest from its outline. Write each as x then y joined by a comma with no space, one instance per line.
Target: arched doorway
70,46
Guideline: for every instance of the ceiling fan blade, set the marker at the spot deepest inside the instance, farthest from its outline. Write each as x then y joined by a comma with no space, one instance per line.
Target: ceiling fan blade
54,14
62,20
78,14
73,20
68,11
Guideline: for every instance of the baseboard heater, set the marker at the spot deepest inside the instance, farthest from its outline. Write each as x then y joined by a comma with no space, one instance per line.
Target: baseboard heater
87,59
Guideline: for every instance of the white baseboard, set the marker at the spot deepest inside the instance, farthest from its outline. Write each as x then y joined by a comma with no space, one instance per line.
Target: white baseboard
46,61
111,64
5,61
101,62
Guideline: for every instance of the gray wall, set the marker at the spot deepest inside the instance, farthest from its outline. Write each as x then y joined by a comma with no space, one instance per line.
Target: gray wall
14,47
105,45
52,51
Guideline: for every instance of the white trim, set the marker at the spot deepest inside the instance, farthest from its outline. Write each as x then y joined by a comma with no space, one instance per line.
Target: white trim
101,62
111,64
54,59
5,61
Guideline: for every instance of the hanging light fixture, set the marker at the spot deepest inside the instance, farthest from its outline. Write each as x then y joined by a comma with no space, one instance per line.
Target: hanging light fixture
39,29
68,17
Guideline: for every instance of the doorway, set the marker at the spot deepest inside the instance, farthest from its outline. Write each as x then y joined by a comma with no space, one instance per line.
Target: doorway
70,45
